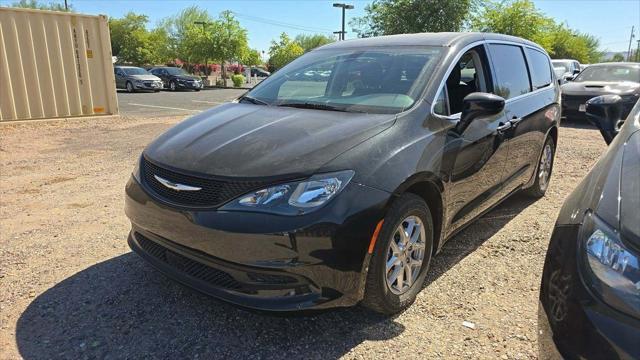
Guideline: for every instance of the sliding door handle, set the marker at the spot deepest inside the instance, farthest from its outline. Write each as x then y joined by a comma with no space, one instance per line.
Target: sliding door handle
504,127
515,120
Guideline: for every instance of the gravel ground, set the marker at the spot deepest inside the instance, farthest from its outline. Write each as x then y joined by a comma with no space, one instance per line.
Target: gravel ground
70,287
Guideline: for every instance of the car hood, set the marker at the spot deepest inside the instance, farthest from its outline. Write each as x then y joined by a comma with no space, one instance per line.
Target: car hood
600,87
144,77
245,140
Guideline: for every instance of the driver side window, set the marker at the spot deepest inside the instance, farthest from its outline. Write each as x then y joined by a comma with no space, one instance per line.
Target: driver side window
469,75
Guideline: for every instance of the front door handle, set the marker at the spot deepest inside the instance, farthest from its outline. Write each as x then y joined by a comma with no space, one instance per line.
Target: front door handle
504,127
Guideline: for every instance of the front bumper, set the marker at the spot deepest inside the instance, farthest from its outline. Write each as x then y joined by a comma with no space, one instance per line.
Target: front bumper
193,85
148,85
573,322
571,106
262,261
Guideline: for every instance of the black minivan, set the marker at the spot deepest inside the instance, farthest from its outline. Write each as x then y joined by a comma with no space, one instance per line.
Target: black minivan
311,192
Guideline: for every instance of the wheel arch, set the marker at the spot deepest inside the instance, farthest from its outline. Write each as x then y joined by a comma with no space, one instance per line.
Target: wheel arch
553,132
430,188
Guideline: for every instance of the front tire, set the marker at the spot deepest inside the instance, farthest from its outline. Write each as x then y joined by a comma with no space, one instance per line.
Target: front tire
129,87
543,170
172,86
401,256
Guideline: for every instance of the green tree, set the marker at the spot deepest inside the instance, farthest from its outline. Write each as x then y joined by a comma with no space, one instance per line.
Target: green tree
132,43
182,26
283,51
521,18
618,57
34,4
564,43
231,43
518,18
386,17
252,58
310,42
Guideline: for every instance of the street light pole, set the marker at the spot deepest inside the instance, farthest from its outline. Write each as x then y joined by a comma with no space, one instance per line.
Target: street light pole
344,8
630,40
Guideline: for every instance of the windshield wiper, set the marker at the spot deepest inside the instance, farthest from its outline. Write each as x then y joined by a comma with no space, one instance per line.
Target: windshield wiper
253,100
314,106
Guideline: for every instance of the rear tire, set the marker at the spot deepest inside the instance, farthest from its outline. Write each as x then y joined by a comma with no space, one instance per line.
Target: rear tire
393,296
543,170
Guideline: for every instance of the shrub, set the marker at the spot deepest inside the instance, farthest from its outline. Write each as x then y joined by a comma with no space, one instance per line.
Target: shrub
237,79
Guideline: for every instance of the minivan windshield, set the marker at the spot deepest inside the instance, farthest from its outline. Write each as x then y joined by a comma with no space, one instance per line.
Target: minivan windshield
609,73
135,71
371,80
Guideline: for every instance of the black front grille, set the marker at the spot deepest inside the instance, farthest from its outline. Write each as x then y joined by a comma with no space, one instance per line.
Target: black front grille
215,277
213,192
573,101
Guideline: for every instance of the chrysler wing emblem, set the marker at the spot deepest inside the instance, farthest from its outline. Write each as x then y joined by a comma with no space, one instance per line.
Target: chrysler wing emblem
175,186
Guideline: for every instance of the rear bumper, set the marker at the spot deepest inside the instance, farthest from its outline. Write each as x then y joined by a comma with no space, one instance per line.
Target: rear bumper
262,261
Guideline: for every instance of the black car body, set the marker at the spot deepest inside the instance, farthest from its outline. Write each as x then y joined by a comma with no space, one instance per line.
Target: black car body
134,78
259,72
590,292
601,79
403,149
176,78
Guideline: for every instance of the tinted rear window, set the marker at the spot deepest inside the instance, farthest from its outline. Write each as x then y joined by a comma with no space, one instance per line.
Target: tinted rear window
539,67
511,70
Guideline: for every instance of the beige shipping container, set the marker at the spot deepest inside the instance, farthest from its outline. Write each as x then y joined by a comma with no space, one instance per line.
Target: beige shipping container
54,65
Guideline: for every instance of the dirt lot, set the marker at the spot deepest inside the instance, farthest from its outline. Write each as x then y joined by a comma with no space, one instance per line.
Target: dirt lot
70,287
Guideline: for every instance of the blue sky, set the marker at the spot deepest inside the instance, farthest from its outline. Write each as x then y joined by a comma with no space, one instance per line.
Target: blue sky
609,20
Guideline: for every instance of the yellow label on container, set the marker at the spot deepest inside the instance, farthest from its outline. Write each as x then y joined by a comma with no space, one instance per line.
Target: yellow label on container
90,54
98,109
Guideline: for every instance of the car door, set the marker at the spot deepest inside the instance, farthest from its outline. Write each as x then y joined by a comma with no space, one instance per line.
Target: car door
162,74
527,105
473,160
120,78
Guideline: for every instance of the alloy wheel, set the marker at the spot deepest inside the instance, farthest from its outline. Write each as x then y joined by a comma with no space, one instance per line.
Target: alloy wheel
405,255
544,169
129,87
172,85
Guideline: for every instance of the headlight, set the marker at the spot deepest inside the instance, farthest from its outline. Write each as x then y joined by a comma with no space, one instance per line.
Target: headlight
612,269
295,198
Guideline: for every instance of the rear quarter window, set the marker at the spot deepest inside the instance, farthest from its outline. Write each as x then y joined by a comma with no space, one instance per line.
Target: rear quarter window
510,69
539,68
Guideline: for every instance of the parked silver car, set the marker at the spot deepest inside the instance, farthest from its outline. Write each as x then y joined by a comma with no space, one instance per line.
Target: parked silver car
134,78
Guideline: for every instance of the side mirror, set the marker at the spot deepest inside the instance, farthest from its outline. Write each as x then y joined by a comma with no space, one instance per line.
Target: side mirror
576,71
476,105
605,112
569,78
